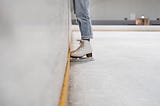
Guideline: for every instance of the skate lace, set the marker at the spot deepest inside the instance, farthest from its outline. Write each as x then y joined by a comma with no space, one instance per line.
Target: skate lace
81,43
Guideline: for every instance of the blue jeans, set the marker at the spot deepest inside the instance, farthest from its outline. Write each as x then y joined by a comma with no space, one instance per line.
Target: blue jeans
83,18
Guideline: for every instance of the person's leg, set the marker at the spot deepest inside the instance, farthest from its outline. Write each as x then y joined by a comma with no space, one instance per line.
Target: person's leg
83,18
82,14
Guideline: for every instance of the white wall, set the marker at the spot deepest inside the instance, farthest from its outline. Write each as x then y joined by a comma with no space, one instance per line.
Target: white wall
33,51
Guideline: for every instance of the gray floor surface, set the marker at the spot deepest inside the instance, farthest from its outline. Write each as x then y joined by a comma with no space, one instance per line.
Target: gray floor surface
126,71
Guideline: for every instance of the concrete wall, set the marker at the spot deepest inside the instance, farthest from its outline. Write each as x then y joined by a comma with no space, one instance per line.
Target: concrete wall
33,51
120,9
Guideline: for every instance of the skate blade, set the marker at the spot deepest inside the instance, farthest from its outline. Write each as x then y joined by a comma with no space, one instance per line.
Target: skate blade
82,59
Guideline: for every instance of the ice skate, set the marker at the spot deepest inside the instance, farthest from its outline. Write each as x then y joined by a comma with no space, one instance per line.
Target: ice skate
83,52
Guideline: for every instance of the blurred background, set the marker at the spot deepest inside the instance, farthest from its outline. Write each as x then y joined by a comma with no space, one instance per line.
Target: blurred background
123,12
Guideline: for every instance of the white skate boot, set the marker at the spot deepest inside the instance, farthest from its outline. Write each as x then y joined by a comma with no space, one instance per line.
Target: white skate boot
83,52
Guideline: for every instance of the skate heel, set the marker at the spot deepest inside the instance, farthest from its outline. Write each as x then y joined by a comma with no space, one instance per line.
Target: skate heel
89,55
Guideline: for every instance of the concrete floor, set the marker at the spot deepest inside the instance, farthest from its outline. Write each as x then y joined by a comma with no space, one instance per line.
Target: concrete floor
125,72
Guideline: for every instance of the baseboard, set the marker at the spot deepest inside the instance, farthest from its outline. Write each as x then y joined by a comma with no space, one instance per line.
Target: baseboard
64,94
